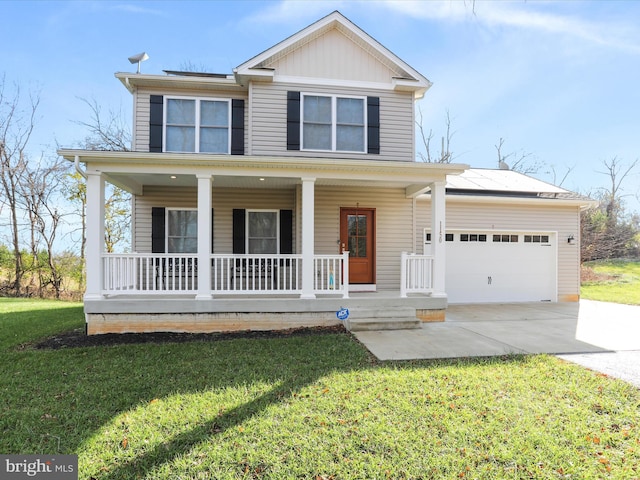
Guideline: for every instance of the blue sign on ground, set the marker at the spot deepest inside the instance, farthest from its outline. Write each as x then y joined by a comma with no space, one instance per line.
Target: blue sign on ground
342,314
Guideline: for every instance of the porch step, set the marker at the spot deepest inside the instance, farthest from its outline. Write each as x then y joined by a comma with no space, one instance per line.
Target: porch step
402,318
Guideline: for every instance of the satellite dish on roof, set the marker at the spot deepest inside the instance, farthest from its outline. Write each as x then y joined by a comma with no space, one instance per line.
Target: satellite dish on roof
139,58
503,165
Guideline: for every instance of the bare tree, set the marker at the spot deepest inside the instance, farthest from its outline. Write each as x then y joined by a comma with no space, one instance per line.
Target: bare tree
445,155
16,127
40,191
617,172
74,189
564,177
517,161
607,232
107,134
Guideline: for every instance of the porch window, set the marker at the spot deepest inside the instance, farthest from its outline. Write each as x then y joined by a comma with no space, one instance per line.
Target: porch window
197,125
262,231
333,123
182,231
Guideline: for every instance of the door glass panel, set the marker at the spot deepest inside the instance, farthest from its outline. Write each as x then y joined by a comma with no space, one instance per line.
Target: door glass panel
357,231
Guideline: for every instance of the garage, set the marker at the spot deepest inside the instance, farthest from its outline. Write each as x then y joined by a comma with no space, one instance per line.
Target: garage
500,266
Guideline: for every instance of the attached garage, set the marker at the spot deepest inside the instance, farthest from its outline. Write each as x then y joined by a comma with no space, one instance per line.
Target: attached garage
509,238
501,266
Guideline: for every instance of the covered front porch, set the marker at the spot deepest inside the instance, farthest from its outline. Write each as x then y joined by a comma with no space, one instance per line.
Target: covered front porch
303,284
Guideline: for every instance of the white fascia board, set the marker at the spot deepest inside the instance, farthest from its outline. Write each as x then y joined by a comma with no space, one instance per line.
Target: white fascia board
132,80
511,200
144,162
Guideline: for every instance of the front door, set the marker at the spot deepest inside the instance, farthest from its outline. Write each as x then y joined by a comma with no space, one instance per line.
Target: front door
357,235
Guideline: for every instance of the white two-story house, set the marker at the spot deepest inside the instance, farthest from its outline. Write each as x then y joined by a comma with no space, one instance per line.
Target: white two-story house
287,191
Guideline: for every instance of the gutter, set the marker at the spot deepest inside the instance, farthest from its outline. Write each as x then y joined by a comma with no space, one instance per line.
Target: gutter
76,162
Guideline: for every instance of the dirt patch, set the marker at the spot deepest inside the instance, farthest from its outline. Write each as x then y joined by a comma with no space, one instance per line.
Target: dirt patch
589,275
77,338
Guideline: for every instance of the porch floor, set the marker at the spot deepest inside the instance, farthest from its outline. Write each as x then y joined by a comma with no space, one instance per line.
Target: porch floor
183,313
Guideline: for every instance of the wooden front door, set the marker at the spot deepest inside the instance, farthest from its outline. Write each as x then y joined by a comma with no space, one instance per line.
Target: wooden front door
357,235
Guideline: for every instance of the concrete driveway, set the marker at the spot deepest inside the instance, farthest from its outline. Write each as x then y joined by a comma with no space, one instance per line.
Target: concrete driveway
602,336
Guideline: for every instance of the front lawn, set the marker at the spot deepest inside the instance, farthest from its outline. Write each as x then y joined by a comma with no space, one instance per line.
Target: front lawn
615,281
304,407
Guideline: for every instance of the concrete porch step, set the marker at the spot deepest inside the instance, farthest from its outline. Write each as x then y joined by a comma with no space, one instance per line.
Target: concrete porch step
395,318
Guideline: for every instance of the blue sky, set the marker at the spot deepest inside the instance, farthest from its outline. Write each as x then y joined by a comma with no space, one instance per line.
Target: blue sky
556,80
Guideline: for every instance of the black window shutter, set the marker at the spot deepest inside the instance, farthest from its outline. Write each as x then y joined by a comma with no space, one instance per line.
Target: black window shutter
237,127
239,216
293,120
155,123
157,229
286,231
373,124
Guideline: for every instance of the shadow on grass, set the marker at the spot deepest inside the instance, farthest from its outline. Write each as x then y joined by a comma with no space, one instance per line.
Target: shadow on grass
55,401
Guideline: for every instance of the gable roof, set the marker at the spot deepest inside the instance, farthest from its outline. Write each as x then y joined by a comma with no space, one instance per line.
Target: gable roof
404,77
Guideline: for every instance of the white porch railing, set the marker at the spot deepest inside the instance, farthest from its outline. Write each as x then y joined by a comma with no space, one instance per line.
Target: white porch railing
332,274
148,273
256,273
416,274
142,273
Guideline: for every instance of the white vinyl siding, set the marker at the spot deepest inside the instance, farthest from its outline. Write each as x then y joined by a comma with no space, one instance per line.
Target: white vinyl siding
269,122
393,226
224,200
503,217
318,59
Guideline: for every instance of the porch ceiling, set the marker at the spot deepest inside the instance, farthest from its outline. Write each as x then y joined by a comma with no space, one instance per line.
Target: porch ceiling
134,170
252,182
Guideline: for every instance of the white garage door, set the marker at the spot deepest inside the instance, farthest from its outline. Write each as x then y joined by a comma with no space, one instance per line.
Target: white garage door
501,267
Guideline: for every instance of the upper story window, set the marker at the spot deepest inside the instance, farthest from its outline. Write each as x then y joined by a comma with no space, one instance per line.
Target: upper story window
197,125
333,123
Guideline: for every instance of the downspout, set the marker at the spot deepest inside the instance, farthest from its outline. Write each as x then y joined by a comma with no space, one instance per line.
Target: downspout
76,162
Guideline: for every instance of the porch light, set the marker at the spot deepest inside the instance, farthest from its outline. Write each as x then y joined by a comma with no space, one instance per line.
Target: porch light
173,177
139,58
571,240
261,179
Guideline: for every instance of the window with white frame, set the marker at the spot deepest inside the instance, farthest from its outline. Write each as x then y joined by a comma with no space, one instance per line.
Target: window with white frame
262,231
197,125
333,123
182,231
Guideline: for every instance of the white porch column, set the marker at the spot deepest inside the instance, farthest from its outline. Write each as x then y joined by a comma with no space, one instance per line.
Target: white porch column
438,232
95,235
204,237
308,237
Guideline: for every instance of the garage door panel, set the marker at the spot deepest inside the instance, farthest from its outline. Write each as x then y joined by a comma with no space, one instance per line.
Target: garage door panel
507,270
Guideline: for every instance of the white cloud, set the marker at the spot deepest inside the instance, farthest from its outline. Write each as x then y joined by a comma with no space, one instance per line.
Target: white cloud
287,11
528,15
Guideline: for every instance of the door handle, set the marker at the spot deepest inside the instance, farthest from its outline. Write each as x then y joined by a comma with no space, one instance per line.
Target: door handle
489,280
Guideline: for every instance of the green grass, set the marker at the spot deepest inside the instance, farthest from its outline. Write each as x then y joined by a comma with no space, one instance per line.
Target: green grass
612,281
304,407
